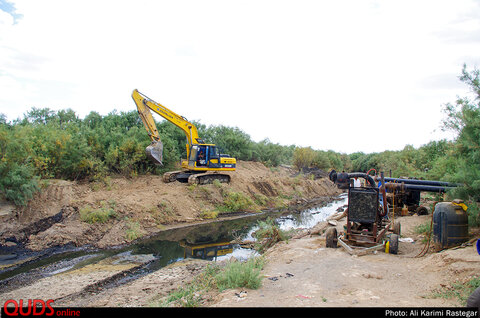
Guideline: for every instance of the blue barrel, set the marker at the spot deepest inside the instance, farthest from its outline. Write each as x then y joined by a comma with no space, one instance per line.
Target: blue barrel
450,225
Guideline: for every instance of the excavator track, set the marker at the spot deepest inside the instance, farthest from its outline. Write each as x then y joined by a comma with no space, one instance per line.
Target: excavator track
194,178
206,178
170,176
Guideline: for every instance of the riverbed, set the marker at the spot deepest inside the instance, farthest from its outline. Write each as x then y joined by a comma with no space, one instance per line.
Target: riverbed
79,270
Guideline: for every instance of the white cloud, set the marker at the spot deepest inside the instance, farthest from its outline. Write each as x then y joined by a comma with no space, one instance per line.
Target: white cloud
6,20
296,72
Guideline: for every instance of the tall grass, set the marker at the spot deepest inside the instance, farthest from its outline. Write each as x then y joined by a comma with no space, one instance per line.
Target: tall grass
241,274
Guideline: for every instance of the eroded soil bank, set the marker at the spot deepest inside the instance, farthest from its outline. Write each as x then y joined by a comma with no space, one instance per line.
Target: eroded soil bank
145,205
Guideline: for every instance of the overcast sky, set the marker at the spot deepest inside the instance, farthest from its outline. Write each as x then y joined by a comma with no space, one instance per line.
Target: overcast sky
334,75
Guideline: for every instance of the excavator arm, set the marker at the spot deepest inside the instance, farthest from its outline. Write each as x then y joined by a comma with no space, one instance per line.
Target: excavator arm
155,150
146,117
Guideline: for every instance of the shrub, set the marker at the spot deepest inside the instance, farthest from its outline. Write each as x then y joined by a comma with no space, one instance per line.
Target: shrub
303,157
231,140
272,154
17,183
133,231
422,229
234,274
208,214
260,199
217,183
191,294
235,202
268,234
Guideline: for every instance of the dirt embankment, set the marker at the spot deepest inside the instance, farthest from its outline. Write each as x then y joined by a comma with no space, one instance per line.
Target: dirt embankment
144,205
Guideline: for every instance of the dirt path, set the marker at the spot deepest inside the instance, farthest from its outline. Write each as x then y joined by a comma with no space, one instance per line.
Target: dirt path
304,273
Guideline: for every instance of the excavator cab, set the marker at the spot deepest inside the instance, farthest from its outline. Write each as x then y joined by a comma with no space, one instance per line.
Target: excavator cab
204,155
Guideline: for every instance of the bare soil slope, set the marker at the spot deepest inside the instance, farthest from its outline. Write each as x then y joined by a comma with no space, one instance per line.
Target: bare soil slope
144,205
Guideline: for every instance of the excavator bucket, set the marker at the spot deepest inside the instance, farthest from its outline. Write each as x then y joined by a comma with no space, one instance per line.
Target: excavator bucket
155,152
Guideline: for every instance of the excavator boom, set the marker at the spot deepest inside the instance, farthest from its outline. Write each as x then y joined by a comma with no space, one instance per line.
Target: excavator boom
144,105
204,161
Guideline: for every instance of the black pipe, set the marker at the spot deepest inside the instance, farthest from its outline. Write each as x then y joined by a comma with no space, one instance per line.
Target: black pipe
363,175
416,187
342,179
423,182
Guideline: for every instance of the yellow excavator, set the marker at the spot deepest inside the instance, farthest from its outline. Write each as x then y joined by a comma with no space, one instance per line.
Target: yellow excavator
204,163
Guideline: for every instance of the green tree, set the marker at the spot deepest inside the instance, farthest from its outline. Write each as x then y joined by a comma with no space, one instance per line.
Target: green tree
17,175
40,116
17,183
272,154
303,157
321,160
3,119
463,117
232,141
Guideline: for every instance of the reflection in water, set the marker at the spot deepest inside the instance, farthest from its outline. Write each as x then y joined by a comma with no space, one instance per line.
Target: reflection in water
208,251
303,219
212,241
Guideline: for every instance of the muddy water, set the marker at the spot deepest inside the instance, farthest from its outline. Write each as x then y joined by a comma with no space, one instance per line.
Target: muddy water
207,241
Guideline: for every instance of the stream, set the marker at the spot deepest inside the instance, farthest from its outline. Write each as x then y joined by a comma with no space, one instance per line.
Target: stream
211,241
